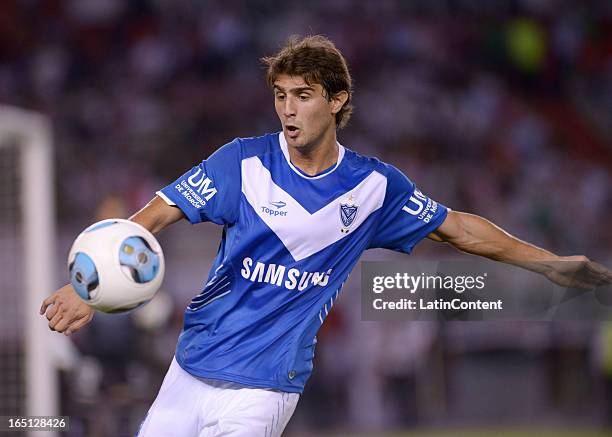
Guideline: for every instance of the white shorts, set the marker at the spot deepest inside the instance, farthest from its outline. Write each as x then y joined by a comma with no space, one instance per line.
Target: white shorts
187,406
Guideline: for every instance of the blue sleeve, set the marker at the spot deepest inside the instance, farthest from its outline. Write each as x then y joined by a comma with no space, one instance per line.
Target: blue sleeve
407,215
209,191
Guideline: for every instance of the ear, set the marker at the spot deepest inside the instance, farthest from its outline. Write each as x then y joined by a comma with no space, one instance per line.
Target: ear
337,101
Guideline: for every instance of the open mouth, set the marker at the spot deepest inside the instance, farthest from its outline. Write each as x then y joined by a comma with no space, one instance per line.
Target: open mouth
292,131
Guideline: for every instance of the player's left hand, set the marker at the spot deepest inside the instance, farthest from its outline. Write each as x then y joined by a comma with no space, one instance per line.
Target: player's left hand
579,272
66,311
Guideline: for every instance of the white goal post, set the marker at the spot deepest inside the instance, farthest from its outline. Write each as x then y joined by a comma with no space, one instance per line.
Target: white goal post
27,232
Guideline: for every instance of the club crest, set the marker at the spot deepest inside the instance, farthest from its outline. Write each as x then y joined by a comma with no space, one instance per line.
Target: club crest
348,212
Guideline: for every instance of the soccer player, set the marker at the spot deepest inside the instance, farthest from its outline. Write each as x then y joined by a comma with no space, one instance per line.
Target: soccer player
297,209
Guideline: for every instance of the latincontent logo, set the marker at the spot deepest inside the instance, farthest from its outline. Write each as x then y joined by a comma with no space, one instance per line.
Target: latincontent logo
451,287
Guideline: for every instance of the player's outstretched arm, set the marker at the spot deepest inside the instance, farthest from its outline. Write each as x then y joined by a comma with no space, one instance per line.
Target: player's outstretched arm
473,234
157,215
65,310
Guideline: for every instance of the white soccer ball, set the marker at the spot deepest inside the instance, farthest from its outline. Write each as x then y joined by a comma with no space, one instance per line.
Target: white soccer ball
116,265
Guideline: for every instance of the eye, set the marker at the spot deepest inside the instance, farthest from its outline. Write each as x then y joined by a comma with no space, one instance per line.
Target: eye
304,97
280,96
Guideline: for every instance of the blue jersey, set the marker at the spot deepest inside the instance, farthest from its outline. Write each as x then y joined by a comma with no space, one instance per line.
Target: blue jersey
289,242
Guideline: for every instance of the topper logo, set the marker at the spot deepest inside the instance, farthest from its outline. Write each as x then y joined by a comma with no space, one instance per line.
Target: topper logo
279,204
273,212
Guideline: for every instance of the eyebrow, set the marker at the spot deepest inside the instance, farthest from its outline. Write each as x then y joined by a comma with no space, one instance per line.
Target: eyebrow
296,90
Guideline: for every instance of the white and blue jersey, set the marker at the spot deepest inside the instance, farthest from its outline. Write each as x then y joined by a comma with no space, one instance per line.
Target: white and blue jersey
289,242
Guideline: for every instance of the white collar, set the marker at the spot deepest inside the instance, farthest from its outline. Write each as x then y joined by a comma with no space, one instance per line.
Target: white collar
283,145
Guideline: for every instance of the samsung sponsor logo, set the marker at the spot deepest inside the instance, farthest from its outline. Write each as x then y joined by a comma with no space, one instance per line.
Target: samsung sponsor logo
280,276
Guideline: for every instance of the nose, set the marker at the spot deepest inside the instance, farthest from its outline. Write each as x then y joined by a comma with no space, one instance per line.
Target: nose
289,108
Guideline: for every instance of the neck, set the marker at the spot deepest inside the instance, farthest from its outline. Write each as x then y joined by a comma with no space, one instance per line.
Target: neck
317,156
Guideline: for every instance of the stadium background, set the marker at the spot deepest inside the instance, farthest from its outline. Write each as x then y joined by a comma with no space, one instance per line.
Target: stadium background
500,108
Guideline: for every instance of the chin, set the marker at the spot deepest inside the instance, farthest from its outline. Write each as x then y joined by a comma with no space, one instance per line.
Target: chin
297,143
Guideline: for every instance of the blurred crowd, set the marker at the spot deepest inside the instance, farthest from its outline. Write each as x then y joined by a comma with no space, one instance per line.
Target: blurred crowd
501,108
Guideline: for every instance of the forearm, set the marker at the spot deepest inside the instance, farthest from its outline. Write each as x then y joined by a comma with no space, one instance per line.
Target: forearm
157,215
479,236
476,235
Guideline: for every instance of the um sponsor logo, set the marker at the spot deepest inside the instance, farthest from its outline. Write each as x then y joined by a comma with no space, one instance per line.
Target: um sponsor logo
197,189
202,184
420,206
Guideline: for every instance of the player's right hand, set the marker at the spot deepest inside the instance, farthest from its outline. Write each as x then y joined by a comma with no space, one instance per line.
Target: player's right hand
66,311
579,272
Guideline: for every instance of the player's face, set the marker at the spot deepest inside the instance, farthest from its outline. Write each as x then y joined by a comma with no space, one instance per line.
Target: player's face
306,115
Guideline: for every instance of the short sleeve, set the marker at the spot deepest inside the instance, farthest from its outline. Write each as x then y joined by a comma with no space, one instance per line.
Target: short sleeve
407,215
209,191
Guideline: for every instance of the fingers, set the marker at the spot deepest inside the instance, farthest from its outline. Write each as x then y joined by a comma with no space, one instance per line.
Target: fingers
54,321
598,273
66,324
63,321
60,318
580,279
78,324
67,318
580,272
51,312
48,301
589,273
62,325
596,268
63,308
581,284
590,281
605,273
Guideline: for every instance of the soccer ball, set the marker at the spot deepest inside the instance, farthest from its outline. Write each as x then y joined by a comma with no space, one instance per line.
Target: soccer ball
116,265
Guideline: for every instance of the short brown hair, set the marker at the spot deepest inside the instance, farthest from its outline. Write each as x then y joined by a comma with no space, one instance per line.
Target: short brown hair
317,60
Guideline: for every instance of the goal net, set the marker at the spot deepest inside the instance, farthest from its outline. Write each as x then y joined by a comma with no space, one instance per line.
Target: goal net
28,381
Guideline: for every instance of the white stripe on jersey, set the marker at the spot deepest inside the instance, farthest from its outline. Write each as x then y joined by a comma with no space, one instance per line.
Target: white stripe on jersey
302,233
